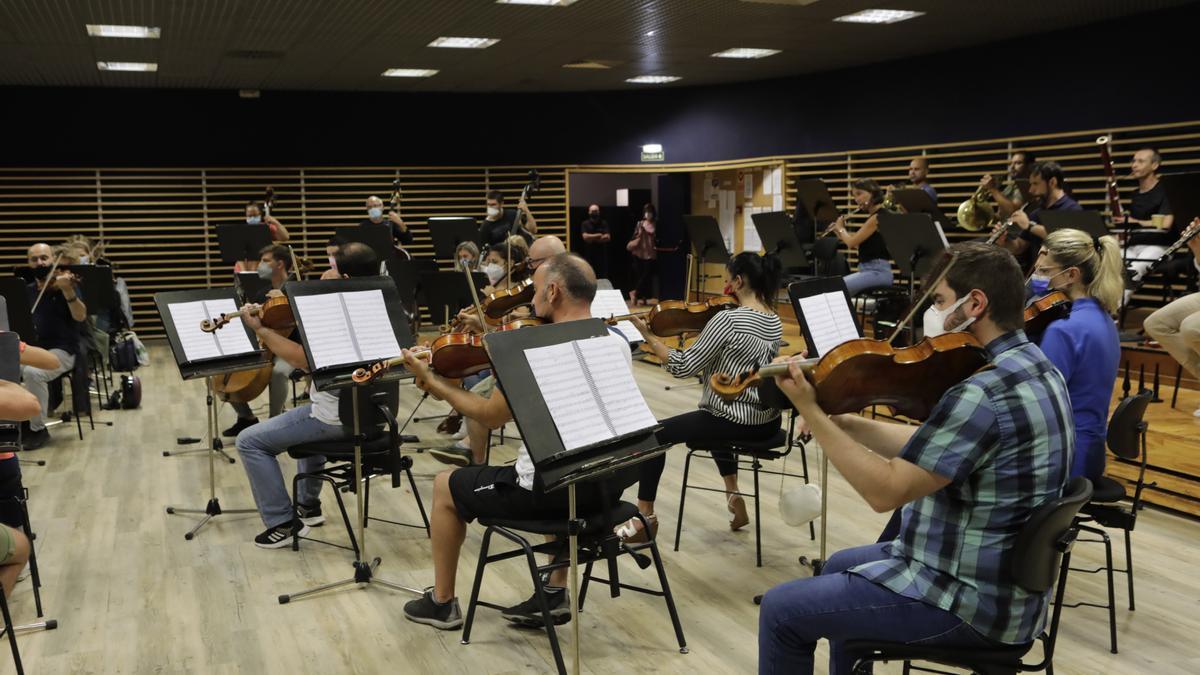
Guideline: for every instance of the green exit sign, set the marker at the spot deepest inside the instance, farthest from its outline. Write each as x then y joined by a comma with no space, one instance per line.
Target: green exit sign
652,153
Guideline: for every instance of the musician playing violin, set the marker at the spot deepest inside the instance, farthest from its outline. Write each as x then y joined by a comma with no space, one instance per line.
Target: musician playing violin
1084,345
274,265
733,341
260,444
57,320
995,447
474,449
565,286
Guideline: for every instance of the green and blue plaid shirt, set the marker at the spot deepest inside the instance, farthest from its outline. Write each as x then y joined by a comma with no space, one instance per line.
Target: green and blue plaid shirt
1004,438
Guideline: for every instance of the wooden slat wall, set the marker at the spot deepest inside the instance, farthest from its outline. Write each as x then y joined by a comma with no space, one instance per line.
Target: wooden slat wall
160,223
957,167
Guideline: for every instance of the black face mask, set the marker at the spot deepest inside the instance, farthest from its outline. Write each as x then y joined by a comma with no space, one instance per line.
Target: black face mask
594,217
41,273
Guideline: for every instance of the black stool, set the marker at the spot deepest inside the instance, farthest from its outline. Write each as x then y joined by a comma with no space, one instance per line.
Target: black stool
1126,438
596,543
747,453
380,456
1042,552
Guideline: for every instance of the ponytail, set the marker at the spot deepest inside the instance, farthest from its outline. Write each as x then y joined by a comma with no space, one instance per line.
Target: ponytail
1098,259
762,274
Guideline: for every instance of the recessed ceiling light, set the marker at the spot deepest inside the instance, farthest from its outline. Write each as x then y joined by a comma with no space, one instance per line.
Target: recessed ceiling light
745,53
880,16
115,31
587,65
544,3
127,66
650,33
652,79
409,72
464,42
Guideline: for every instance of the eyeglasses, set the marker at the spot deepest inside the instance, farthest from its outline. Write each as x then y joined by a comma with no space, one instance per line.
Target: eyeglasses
532,263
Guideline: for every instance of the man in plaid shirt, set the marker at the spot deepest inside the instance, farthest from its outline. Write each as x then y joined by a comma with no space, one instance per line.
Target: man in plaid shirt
996,447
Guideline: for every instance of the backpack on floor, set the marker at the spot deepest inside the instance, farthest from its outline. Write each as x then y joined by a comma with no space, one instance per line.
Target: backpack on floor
128,396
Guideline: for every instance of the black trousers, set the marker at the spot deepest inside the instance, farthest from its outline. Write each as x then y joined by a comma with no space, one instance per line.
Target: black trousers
697,425
644,273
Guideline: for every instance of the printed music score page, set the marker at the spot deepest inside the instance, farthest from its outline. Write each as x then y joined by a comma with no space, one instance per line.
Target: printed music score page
344,328
199,345
589,390
610,302
829,321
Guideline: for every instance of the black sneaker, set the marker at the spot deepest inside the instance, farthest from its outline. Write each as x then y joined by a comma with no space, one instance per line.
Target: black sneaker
32,440
310,515
453,454
426,610
529,613
238,426
280,535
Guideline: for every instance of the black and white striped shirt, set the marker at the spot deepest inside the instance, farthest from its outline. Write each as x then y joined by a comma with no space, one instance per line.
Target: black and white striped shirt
733,342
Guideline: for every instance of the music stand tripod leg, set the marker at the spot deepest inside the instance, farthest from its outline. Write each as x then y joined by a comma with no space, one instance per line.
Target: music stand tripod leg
364,571
573,531
213,508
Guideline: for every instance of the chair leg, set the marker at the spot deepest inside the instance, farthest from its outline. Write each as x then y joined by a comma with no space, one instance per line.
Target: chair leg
1112,602
670,599
539,591
471,606
687,467
34,575
583,586
757,516
420,505
12,638
1128,566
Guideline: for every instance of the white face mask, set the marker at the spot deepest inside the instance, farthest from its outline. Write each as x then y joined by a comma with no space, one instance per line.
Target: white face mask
493,213
935,319
374,213
253,220
83,260
265,271
494,272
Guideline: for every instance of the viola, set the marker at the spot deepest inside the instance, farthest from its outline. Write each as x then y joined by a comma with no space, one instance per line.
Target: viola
676,317
861,373
453,355
1042,311
275,314
500,303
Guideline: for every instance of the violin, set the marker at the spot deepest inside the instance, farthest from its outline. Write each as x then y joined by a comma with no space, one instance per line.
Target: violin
860,373
275,314
676,317
453,355
500,303
1042,311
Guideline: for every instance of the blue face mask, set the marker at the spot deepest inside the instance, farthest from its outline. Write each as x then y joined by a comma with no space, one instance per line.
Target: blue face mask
1040,284
375,213
253,220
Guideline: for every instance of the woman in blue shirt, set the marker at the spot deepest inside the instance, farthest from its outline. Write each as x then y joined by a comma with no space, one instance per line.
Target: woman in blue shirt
1084,345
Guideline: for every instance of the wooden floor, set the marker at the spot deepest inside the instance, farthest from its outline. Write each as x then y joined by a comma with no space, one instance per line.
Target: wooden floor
132,596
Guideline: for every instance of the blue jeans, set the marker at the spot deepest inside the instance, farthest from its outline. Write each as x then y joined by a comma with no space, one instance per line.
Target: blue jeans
871,274
842,606
259,446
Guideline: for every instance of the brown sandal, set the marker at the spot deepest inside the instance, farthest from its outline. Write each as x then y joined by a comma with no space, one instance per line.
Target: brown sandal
737,508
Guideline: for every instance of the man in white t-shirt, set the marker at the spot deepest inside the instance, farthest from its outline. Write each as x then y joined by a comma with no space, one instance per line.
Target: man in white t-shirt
563,290
261,444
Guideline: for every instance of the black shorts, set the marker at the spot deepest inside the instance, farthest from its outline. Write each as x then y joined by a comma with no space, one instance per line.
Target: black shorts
493,492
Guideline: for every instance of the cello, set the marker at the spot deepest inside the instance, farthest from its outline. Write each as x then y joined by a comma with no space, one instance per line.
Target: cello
244,386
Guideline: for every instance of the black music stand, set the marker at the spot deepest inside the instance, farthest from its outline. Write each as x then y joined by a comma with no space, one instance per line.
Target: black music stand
378,236
444,293
914,240
556,467
335,373
708,245
1090,222
448,232
240,241
20,317
250,287
916,200
207,368
815,208
778,236
1183,194
95,286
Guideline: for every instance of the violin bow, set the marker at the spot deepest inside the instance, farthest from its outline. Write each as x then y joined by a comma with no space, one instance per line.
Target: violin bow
49,280
924,296
475,298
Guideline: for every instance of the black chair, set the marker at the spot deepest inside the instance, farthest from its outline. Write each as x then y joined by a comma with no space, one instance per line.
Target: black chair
81,401
750,454
596,543
380,456
827,262
1042,552
1111,506
886,309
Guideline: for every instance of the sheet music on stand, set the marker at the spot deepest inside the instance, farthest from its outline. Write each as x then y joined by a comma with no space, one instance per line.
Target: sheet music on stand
610,302
201,346
822,308
589,389
347,327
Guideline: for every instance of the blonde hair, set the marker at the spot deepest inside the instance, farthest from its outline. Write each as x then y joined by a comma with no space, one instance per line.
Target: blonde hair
520,249
1098,260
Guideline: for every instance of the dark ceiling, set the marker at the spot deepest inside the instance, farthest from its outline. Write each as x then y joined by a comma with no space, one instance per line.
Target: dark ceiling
347,44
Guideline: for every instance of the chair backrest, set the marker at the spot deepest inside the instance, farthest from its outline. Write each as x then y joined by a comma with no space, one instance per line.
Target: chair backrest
369,416
824,249
1037,553
1125,427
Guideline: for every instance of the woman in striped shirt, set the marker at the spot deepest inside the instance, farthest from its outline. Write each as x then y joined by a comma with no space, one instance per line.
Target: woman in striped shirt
734,341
